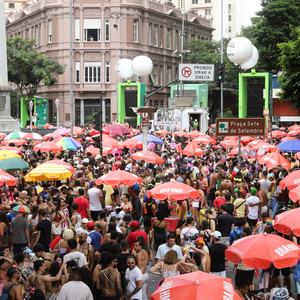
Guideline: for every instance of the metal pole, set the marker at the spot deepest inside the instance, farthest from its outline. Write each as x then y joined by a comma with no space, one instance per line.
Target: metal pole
117,69
100,127
17,106
222,60
145,136
57,116
30,106
71,67
239,157
181,50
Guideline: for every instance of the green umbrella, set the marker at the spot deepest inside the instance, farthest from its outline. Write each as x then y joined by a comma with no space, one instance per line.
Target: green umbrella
13,164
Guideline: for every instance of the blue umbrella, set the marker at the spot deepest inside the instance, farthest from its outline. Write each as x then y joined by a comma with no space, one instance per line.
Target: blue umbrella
150,139
289,146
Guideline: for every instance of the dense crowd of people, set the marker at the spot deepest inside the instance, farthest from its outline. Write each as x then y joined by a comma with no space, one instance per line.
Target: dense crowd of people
82,241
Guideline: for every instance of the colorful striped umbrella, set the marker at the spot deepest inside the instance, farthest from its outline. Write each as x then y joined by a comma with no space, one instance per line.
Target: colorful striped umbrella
21,208
68,143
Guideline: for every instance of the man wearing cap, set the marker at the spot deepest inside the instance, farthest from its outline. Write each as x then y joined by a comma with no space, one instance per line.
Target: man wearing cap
93,235
135,232
252,208
217,255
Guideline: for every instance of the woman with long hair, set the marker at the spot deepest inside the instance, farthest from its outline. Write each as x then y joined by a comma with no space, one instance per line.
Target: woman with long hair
41,202
149,211
180,225
32,195
196,203
126,204
57,218
160,228
111,227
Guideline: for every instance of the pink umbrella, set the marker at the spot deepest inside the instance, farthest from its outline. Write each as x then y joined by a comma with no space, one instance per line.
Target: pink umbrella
151,146
117,129
116,151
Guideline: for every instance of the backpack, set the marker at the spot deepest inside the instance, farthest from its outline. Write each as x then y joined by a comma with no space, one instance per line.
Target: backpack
237,236
5,293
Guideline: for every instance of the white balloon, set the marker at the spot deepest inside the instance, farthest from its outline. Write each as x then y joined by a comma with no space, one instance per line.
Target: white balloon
252,61
142,65
124,69
239,50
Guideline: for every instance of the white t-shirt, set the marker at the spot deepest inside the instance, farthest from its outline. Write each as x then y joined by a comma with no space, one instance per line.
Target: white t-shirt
163,249
94,195
132,276
265,185
187,234
252,210
75,290
78,257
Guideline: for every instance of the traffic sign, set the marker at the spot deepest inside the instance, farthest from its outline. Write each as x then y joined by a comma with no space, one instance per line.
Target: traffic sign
240,127
196,72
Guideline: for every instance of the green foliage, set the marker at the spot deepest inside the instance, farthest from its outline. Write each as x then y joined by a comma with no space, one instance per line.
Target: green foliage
276,23
290,77
28,69
13,104
209,52
89,119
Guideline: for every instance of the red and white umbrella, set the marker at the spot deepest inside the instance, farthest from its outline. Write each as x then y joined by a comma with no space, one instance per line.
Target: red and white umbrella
7,179
16,142
33,136
274,159
93,150
116,178
47,147
288,222
147,156
291,181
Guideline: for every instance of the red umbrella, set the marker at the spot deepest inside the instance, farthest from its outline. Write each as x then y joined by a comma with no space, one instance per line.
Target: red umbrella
116,178
47,147
12,149
291,181
229,143
277,250
93,132
7,179
117,129
288,138
193,134
272,160
60,162
295,194
51,135
162,132
131,143
246,139
109,142
288,221
2,135
195,285
180,133
297,155
231,138
33,136
293,127
16,142
173,189
204,140
148,156
134,131
191,149
293,133
93,150
278,133
48,126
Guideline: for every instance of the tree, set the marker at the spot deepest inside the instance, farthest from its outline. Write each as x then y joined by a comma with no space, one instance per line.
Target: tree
28,69
275,23
289,62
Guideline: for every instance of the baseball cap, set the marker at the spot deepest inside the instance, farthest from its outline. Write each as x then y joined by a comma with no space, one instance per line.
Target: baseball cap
279,294
90,225
134,224
217,235
84,220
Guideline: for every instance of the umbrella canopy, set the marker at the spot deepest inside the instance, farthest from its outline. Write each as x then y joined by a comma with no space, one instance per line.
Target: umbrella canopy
274,159
297,155
7,179
293,127
180,133
93,150
247,139
295,194
288,222
62,131
148,156
48,171
162,131
191,149
13,164
12,149
5,154
288,138
117,129
204,140
130,144
229,143
33,136
291,181
293,132
150,139
51,135
48,147
21,208
15,135
193,134
290,146
195,285
278,133
2,135
277,250
16,142
60,162
116,178
68,143
175,190
49,126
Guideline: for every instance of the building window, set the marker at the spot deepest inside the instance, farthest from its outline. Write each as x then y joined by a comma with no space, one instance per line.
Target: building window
229,29
27,34
149,34
161,31
169,74
207,12
194,1
107,72
92,72
77,71
168,38
229,8
136,31
107,26
77,30
50,31
229,17
161,76
155,35
176,40
207,1
92,30
37,35
11,5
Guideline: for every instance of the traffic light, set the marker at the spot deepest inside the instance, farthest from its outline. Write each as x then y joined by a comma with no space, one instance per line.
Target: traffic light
219,72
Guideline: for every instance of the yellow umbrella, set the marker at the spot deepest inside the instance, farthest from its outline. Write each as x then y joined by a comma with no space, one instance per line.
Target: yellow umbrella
5,154
48,172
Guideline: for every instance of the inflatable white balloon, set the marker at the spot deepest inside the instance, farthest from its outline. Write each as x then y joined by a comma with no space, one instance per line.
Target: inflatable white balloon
239,50
124,69
142,65
252,61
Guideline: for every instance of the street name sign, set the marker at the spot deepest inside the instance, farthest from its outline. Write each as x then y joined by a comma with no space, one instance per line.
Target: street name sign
194,72
240,127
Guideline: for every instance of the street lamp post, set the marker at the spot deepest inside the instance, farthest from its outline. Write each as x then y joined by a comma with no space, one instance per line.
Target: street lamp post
181,48
57,112
30,110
